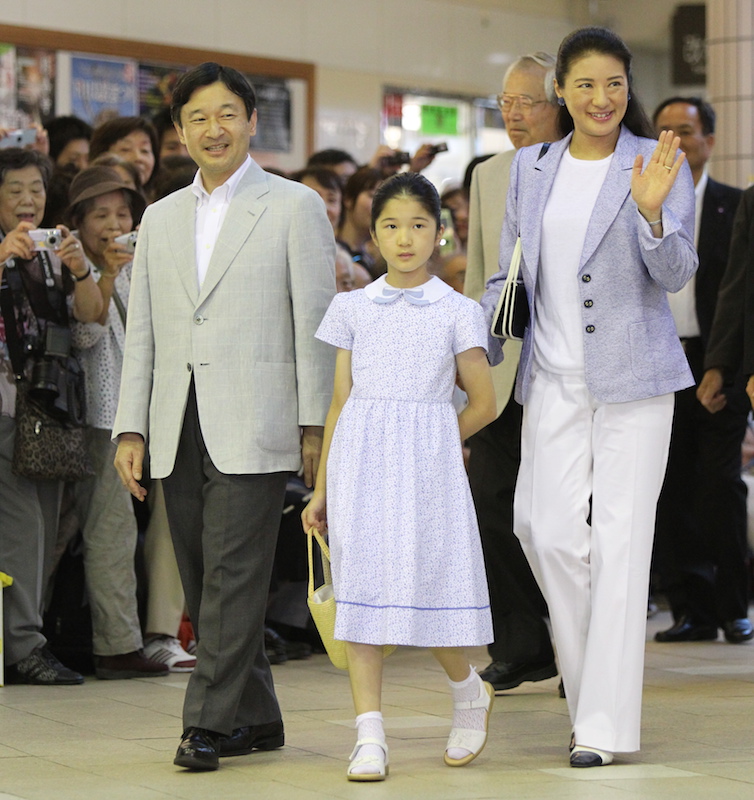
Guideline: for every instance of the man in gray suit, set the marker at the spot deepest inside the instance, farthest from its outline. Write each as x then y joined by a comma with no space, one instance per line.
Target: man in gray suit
521,650
223,377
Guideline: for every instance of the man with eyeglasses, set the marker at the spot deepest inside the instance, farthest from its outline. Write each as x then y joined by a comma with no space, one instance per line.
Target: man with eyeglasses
522,650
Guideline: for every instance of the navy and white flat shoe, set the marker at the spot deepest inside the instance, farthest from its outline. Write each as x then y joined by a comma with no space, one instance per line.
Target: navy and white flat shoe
590,757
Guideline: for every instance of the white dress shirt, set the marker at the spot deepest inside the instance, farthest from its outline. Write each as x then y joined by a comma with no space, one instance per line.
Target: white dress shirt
683,303
210,214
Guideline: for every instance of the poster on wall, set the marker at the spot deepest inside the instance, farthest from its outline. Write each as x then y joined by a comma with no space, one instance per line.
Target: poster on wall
103,88
35,84
8,86
156,82
273,115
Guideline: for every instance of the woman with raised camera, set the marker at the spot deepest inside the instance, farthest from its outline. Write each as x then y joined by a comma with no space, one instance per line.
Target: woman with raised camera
103,207
44,281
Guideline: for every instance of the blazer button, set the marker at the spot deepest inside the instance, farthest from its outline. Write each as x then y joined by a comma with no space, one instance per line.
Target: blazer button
188,367
590,328
586,278
198,319
588,303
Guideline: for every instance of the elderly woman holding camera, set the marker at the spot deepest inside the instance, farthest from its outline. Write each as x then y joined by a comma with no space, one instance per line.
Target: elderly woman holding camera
104,209
35,271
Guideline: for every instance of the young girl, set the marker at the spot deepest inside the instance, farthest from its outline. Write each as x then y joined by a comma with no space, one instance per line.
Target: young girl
391,487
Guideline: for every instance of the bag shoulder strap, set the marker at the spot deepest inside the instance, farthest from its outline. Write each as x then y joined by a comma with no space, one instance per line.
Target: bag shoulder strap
12,283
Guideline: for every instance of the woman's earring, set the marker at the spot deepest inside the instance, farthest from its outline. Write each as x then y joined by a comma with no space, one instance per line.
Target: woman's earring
561,101
629,95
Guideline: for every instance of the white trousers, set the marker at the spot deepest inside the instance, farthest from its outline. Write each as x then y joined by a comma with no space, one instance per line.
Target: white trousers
594,576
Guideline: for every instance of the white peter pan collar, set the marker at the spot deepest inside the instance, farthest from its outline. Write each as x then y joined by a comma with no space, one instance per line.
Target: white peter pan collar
380,291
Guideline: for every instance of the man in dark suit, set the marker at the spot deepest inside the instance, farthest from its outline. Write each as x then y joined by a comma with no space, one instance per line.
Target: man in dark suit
700,545
731,343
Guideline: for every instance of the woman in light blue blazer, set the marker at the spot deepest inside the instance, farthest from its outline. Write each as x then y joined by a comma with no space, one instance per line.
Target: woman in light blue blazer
606,220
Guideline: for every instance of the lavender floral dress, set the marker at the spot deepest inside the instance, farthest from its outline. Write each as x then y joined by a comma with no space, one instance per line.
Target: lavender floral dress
406,554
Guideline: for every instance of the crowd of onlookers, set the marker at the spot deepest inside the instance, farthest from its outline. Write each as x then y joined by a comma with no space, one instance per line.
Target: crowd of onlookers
94,183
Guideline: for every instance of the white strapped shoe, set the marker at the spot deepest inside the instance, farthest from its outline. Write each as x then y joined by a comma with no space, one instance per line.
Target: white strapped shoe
466,739
378,767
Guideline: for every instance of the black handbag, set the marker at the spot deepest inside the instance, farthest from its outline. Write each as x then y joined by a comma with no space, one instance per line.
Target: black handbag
45,447
512,312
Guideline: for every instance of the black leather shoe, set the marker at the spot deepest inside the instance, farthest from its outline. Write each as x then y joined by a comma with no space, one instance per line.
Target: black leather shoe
274,646
280,650
251,737
686,630
738,630
198,750
503,675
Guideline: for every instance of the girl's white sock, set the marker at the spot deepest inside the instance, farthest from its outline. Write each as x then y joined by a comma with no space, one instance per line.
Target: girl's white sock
473,719
369,726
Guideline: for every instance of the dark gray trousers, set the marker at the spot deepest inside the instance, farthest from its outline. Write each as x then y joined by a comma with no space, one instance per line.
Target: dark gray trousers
224,530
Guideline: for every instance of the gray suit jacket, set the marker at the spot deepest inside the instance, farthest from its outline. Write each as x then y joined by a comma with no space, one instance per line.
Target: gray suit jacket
631,349
489,186
247,337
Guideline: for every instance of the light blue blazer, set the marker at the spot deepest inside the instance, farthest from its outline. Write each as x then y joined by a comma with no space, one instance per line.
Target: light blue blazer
631,348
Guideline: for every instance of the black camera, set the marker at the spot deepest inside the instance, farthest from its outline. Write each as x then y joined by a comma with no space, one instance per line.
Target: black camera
56,379
438,148
48,370
397,159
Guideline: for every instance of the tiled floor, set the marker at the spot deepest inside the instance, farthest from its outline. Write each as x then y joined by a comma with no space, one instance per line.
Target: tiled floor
115,740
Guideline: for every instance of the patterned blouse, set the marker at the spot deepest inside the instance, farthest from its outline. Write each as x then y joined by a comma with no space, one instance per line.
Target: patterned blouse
99,349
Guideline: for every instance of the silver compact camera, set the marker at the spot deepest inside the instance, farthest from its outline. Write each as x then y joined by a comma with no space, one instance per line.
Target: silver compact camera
19,138
46,238
128,240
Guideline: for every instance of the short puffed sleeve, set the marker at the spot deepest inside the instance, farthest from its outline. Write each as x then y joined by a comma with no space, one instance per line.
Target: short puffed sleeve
336,328
470,327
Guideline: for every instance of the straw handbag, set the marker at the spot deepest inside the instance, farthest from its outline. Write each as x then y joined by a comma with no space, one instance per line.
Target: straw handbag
322,605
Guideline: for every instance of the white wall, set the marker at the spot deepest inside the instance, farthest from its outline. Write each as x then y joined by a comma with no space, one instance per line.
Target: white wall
357,45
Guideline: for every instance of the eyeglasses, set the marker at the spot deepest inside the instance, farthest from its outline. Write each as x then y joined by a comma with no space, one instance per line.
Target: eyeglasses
507,101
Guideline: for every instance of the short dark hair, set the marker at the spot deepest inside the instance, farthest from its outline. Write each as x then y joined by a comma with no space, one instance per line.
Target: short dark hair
18,158
62,130
112,131
206,74
707,114
581,43
324,177
363,180
330,158
411,186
